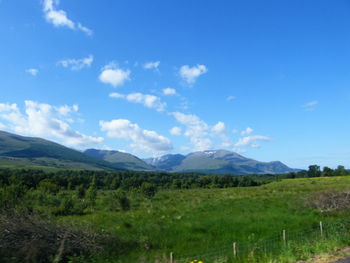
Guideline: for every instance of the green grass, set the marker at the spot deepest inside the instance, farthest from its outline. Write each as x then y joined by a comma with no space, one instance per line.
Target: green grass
200,220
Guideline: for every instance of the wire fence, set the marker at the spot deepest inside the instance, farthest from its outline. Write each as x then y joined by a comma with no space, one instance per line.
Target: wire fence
252,251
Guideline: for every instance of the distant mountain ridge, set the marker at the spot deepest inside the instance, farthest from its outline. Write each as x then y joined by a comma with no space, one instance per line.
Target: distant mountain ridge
216,161
20,151
122,159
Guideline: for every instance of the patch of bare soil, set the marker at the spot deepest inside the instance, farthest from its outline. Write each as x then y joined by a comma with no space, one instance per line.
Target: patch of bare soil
329,258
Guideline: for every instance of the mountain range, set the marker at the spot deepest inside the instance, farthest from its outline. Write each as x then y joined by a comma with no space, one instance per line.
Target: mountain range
20,151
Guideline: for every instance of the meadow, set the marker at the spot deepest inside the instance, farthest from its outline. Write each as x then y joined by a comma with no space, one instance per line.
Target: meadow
145,217
198,221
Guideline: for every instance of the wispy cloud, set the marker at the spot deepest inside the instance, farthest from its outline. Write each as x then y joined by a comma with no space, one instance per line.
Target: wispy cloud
251,141
169,91
230,98
32,71
147,100
151,65
310,106
59,17
76,64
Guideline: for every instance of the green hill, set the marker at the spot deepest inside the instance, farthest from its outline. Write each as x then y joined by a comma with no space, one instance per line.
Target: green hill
124,160
20,151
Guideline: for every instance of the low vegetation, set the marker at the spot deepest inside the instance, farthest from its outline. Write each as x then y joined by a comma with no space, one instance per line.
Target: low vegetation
143,217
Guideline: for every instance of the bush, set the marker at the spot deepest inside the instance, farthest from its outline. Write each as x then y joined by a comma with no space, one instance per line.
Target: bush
330,201
148,190
27,237
123,200
11,196
80,191
48,187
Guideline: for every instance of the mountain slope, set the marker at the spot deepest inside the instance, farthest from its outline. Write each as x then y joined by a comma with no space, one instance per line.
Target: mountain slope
15,149
124,160
219,161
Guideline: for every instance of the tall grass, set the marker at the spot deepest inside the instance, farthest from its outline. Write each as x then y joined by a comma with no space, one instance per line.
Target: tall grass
200,221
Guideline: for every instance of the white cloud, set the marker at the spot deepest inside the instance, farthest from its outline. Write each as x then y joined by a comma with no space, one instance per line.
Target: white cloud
32,71
190,74
310,106
151,65
147,100
238,150
247,131
229,98
59,18
2,126
76,64
142,140
45,121
175,131
202,135
169,91
251,140
113,75
219,127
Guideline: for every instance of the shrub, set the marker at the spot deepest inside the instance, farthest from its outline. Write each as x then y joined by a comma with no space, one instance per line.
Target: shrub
27,237
80,191
48,187
330,201
148,190
123,200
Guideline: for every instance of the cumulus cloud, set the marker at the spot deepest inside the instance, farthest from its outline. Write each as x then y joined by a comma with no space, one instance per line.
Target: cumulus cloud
142,140
252,140
151,65
111,74
169,91
59,18
196,130
147,100
47,121
219,127
190,74
32,71
76,64
201,134
247,131
175,131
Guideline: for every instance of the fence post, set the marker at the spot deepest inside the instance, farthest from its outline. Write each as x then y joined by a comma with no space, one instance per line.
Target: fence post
284,237
321,228
234,249
171,257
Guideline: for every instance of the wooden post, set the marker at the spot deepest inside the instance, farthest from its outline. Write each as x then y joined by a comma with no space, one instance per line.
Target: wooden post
284,237
171,257
234,249
321,228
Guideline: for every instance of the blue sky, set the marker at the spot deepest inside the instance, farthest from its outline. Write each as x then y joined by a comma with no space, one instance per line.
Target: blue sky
268,79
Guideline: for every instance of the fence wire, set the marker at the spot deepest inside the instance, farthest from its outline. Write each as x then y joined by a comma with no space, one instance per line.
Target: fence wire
272,246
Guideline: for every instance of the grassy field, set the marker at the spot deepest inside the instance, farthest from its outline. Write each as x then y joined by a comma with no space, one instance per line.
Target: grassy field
193,222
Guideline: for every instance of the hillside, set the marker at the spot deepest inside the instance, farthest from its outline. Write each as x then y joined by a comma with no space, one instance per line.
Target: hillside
219,161
124,160
20,151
